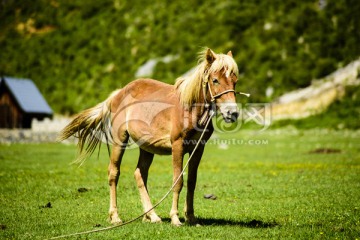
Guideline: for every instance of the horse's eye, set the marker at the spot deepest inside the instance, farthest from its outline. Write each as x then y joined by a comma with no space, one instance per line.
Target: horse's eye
215,81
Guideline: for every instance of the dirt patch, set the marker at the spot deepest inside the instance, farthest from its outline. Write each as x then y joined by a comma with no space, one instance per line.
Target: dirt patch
325,151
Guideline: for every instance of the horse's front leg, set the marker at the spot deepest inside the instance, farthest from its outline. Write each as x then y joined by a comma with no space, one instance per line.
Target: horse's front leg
177,161
191,183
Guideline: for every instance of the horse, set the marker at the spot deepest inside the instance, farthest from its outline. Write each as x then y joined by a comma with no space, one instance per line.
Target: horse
161,119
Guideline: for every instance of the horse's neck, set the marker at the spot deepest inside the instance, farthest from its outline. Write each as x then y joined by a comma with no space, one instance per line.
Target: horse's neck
203,108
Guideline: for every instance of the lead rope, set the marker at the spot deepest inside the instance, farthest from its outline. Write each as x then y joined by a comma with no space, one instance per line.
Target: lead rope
157,204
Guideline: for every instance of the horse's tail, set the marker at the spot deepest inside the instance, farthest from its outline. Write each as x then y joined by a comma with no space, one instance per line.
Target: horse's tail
91,127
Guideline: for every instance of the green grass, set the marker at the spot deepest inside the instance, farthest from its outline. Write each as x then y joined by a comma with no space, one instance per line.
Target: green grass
268,186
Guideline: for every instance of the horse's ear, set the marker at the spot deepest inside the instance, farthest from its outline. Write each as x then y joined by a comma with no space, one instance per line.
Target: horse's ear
210,56
230,54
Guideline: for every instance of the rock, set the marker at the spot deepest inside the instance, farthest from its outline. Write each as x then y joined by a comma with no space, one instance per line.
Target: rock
48,205
318,96
82,190
42,132
210,196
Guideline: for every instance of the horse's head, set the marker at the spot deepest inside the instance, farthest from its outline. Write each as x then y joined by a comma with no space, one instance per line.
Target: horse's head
220,83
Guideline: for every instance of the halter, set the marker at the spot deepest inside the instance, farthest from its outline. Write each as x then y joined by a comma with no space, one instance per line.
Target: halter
213,97
211,107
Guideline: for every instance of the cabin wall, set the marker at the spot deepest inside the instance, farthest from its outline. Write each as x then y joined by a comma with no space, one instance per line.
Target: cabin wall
11,115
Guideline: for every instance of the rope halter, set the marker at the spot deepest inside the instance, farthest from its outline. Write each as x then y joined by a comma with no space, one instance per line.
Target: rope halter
210,108
213,97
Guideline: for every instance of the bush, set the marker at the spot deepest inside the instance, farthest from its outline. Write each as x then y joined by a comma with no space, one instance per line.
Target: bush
66,47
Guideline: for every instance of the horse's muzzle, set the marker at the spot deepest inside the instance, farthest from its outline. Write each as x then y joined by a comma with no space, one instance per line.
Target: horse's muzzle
230,112
231,117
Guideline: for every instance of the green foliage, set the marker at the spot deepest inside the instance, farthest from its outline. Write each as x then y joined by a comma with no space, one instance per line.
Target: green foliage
273,190
77,52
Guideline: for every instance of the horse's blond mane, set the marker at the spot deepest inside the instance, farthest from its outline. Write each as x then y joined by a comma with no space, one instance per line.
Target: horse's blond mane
189,86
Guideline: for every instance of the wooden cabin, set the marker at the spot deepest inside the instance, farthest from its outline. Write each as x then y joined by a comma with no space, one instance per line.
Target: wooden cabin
21,102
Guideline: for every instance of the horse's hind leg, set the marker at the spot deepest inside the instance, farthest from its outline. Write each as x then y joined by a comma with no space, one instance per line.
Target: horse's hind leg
141,175
114,174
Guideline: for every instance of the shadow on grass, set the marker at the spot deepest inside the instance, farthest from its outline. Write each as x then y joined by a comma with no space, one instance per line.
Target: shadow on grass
249,224
228,222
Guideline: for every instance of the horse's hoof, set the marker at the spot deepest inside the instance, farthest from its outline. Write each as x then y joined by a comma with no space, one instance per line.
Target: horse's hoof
152,219
191,220
115,220
176,223
156,220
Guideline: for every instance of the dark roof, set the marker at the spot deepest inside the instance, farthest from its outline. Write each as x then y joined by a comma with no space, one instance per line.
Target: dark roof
27,95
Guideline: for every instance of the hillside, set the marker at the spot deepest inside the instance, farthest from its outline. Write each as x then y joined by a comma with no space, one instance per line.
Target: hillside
317,97
77,51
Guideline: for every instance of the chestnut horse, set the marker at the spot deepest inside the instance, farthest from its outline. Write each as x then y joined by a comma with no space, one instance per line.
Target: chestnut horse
161,119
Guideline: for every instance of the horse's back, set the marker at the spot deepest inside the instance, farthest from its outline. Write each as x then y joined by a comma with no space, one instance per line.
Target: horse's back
145,108
146,88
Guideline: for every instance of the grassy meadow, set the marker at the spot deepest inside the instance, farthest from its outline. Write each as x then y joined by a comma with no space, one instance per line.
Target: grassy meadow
278,184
